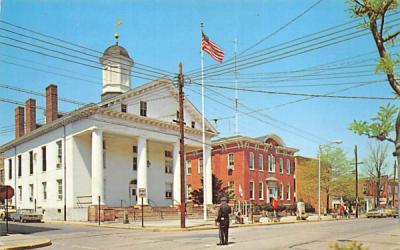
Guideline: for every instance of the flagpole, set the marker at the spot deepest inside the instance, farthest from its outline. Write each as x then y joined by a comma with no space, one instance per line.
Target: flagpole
203,127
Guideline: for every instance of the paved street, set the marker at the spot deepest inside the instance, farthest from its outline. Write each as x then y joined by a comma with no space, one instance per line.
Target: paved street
375,233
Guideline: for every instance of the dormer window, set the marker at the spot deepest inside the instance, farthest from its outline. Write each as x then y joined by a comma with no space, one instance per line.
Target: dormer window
143,108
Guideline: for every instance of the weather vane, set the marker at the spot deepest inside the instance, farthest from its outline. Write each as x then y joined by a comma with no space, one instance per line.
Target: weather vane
116,35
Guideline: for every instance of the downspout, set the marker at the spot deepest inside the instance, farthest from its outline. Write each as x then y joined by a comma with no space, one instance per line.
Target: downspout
15,176
65,175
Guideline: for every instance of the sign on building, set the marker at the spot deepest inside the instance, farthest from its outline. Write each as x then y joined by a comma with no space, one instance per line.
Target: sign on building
142,192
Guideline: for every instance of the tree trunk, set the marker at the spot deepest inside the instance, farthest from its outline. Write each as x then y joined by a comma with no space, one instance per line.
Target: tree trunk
327,202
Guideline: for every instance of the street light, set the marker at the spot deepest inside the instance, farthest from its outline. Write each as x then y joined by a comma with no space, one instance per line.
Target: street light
319,172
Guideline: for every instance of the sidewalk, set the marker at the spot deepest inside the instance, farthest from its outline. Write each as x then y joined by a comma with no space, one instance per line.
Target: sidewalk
191,224
22,241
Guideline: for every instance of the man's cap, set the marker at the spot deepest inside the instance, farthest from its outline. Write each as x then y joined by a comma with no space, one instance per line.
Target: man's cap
224,199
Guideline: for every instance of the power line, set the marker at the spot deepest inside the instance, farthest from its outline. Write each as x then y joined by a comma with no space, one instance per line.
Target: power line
71,43
6,86
300,94
281,28
259,58
72,56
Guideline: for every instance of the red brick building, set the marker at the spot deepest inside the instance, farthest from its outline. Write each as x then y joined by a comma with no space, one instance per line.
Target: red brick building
256,169
386,196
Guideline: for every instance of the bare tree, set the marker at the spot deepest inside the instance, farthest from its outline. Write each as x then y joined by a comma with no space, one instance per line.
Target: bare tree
377,165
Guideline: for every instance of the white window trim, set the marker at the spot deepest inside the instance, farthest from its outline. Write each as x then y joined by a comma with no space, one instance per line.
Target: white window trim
288,166
282,193
288,196
281,168
262,190
260,156
251,160
229,165
200,169
188,163
251,189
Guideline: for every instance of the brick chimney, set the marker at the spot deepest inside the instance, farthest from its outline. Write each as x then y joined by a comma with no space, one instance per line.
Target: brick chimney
19,122
51,103
30,107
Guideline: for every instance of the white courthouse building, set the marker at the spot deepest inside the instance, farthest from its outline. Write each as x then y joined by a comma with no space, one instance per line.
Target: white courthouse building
109,150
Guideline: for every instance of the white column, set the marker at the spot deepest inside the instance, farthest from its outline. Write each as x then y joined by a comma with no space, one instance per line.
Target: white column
97,167
142,168
208,169
177,175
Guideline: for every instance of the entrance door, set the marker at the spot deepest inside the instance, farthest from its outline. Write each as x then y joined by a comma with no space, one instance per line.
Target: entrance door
132,193
271,194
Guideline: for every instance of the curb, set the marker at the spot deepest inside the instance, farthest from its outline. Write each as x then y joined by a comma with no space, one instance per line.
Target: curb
43,243
194,228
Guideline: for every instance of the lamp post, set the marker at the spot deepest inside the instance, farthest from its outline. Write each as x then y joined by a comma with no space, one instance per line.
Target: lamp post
319,172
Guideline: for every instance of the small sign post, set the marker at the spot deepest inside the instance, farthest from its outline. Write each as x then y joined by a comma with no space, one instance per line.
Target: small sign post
142,194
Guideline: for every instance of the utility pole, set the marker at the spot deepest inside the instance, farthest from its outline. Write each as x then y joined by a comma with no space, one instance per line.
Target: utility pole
182,145
393,187
356,165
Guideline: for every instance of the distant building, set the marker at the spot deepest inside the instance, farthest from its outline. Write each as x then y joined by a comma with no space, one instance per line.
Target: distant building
255,170
386,196
103,153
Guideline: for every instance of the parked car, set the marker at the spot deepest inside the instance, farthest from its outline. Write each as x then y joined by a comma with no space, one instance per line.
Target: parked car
376,213
25,215
395,213
3,212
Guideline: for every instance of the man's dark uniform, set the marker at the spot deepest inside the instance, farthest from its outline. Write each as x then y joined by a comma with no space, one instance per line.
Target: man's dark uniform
223,220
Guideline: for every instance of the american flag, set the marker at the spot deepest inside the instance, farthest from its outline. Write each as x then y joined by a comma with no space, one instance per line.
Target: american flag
211,48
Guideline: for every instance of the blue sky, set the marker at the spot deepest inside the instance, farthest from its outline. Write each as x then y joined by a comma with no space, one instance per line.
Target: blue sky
163,33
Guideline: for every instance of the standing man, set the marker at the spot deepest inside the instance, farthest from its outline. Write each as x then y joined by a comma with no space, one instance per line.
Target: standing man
223,221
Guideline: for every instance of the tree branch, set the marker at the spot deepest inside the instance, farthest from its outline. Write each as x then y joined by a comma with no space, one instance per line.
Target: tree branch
390,37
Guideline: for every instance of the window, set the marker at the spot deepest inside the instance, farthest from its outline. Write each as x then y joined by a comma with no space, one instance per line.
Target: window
261,190
271,163
59,154
177,115
281,192
1,175
44,160
251,160
231,161
19,165
31,162
124,108
231,187
189,167
281,165
20,193
168,154
134,166
287,166
168,190
200,167
143,108
251,188
260,162
365,188
44,189
188,191
134,149
288,192
31,192
59,190
193,124
9,169
168,166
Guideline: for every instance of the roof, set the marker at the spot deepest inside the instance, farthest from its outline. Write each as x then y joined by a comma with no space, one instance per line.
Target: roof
116,50
100,108
260,140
